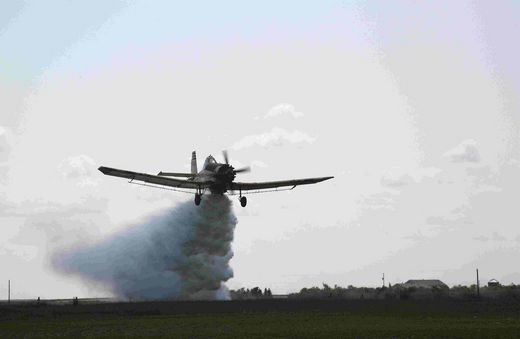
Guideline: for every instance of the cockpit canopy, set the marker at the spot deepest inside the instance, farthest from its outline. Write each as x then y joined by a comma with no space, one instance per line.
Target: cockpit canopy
209,161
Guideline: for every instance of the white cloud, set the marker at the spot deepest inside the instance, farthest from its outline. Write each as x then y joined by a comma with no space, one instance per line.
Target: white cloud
283,109
276,137
488,188
513,162
494,237
5,145
397,177
466,151
80,167
396,181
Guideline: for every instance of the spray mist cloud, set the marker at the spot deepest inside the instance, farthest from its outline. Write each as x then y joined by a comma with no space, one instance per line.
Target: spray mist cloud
182,253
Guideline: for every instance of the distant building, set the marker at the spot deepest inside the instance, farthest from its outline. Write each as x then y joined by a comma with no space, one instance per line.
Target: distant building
493,283
425,283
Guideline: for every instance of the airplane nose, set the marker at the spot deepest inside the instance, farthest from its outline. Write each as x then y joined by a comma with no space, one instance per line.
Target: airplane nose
223,169
226,171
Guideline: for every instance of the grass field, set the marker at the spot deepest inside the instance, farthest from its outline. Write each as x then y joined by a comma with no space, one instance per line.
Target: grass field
262,318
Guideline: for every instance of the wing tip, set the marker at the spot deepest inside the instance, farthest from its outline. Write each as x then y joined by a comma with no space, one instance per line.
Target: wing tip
104,169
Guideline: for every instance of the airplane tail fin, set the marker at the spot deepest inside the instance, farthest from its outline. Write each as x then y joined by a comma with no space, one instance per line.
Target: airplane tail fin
193,163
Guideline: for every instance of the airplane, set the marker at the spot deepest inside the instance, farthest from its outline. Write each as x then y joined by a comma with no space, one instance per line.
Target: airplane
216,177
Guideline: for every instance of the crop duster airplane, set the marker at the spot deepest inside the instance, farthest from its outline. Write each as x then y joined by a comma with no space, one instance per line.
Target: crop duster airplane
216,177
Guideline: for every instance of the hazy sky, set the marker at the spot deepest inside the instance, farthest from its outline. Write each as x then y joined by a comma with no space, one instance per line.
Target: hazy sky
412,106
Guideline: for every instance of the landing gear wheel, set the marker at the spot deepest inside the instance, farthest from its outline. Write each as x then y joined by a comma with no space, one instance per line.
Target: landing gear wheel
243,201
198,198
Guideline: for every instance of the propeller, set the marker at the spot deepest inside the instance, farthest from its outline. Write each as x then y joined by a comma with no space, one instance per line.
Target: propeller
226,159
246,169
233,170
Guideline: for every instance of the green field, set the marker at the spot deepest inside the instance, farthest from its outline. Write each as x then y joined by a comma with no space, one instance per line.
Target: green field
275,319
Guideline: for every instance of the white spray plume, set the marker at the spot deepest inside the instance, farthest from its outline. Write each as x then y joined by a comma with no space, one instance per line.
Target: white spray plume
183,253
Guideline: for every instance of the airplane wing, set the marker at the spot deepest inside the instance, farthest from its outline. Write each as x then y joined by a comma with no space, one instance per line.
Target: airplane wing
247,186
154,179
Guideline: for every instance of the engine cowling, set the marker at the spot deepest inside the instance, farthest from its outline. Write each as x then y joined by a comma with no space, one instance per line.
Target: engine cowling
226,173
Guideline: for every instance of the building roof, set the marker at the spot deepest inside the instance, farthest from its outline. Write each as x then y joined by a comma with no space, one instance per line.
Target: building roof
493,282
425,283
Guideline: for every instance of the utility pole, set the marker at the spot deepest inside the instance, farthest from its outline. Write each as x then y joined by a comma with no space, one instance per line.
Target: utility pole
478,285
383,280
9,291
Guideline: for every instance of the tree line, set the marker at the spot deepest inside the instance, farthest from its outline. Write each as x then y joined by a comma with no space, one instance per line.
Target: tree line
397,291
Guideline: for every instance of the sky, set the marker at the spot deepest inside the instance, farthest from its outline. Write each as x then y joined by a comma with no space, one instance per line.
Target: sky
412,106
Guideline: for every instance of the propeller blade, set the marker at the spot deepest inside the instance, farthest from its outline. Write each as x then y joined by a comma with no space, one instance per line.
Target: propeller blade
246,169
224,152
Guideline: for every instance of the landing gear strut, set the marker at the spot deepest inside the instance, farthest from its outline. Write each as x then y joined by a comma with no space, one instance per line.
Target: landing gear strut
243,201
198,198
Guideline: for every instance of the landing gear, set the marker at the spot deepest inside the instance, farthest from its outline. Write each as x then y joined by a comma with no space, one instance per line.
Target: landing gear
198,198
243,201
